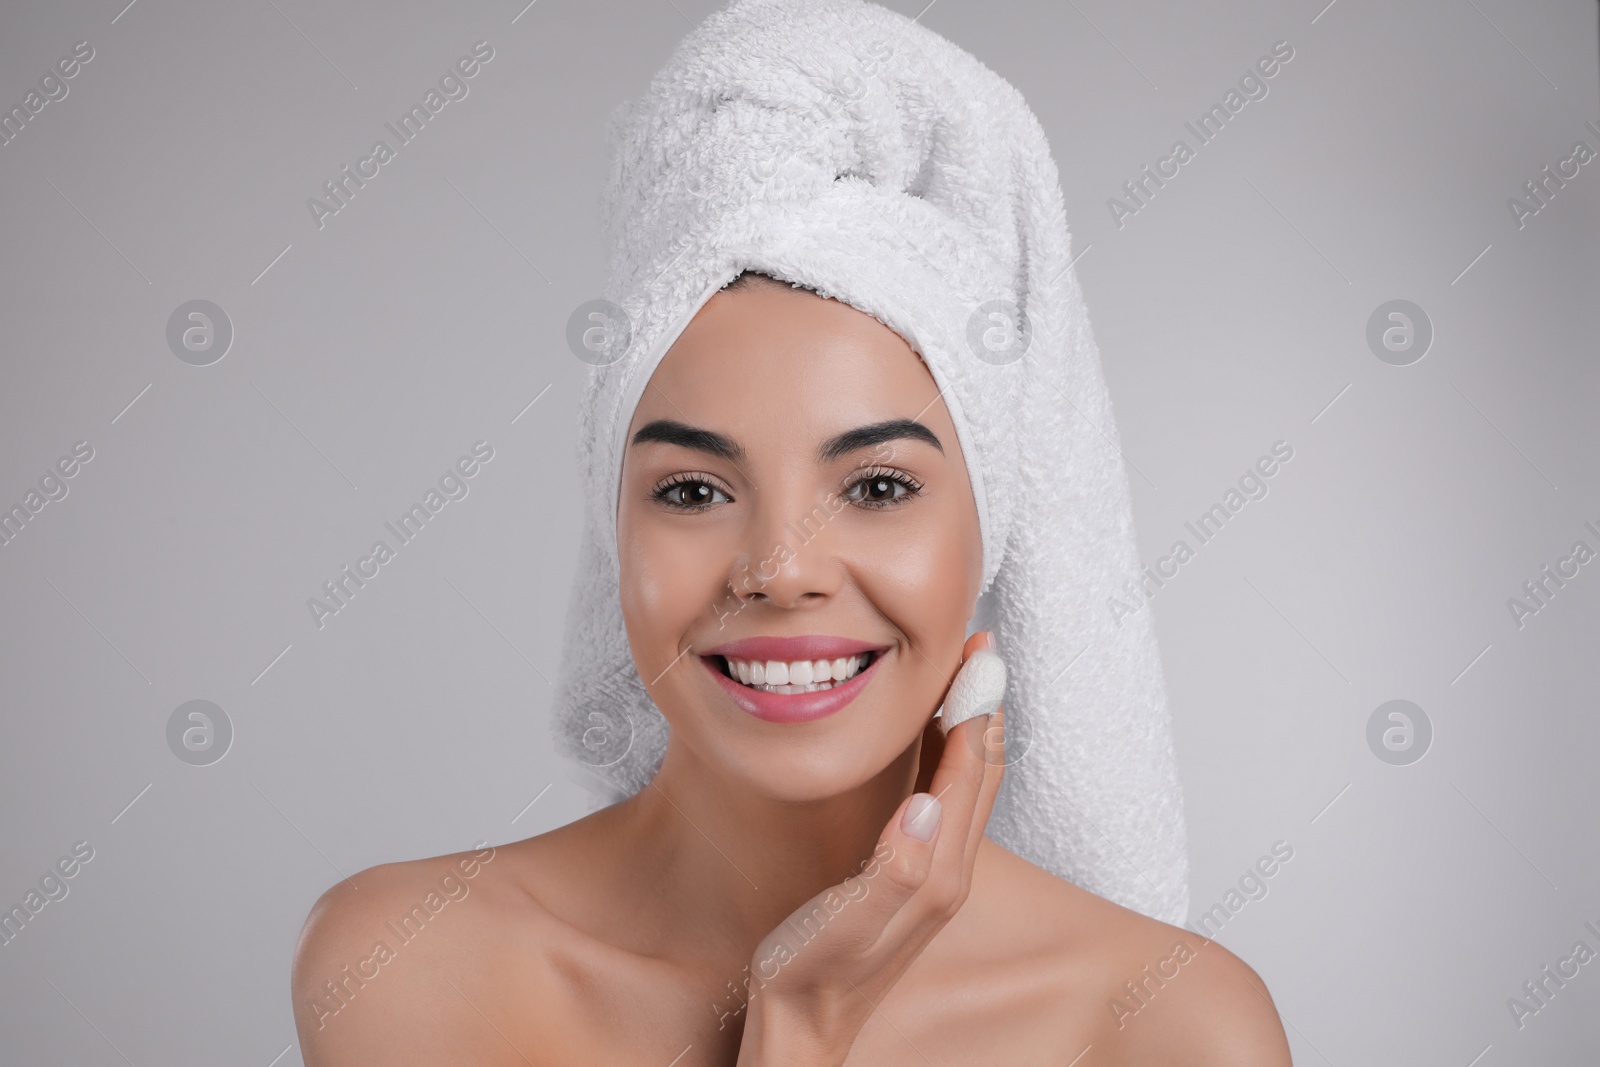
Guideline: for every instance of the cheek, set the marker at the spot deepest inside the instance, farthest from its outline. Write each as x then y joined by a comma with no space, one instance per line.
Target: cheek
668,581
921,578
919,584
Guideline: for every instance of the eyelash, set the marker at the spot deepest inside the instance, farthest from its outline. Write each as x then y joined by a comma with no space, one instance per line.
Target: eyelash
912,487
667,485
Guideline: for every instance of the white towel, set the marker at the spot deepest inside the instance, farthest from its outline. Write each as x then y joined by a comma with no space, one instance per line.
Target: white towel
841,146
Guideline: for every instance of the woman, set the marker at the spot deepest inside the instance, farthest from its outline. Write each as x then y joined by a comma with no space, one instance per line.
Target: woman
807,509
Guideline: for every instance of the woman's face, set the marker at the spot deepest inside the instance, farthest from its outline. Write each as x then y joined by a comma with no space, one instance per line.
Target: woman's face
792,472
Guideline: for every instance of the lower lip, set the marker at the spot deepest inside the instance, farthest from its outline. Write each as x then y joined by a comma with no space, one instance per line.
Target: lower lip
792,707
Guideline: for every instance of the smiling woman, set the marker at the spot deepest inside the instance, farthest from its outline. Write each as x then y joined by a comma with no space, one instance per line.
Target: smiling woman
802,486
808,401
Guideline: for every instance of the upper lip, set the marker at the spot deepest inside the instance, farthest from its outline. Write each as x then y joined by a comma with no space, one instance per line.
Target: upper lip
790,649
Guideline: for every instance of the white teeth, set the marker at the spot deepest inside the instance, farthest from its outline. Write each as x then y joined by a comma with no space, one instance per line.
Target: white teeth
800,676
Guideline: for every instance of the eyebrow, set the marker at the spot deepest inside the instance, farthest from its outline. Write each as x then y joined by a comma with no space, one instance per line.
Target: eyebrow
672,432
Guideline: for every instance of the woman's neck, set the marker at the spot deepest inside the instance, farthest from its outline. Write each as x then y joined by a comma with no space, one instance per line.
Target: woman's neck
719,866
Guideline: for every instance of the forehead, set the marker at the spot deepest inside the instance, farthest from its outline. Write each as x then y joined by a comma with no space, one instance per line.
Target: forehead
769,359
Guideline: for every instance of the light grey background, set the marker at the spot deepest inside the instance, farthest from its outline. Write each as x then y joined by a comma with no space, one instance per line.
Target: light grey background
429,313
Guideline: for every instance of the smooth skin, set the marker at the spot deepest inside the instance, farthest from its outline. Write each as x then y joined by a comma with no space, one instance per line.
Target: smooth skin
632,935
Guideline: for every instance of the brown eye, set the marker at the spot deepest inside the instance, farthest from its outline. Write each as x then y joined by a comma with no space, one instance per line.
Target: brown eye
877,489
690,494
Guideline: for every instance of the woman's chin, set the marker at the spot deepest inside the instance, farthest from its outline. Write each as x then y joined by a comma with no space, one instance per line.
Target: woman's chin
784,772
799,788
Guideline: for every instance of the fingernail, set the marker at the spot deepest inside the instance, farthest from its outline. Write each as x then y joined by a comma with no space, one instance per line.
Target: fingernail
978,688
921,819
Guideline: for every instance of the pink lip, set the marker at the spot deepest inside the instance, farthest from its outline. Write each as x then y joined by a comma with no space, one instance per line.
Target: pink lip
793,707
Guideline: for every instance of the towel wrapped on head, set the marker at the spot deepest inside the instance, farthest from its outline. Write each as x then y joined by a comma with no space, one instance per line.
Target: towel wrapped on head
840,146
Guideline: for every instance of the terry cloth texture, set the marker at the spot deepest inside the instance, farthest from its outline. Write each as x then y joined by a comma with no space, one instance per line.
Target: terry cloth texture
840,146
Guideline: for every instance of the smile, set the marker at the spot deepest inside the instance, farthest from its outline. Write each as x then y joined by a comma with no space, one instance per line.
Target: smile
798,676
793,679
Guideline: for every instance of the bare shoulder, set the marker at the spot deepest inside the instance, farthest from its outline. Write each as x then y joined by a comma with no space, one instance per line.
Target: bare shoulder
1142,991
1181,996
411,962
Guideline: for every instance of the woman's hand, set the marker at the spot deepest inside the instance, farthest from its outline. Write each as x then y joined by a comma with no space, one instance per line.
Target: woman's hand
826,967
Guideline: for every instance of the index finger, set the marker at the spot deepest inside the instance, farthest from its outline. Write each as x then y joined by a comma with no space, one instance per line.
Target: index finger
968,778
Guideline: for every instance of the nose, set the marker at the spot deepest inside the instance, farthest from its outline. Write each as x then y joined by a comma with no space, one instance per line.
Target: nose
790,556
